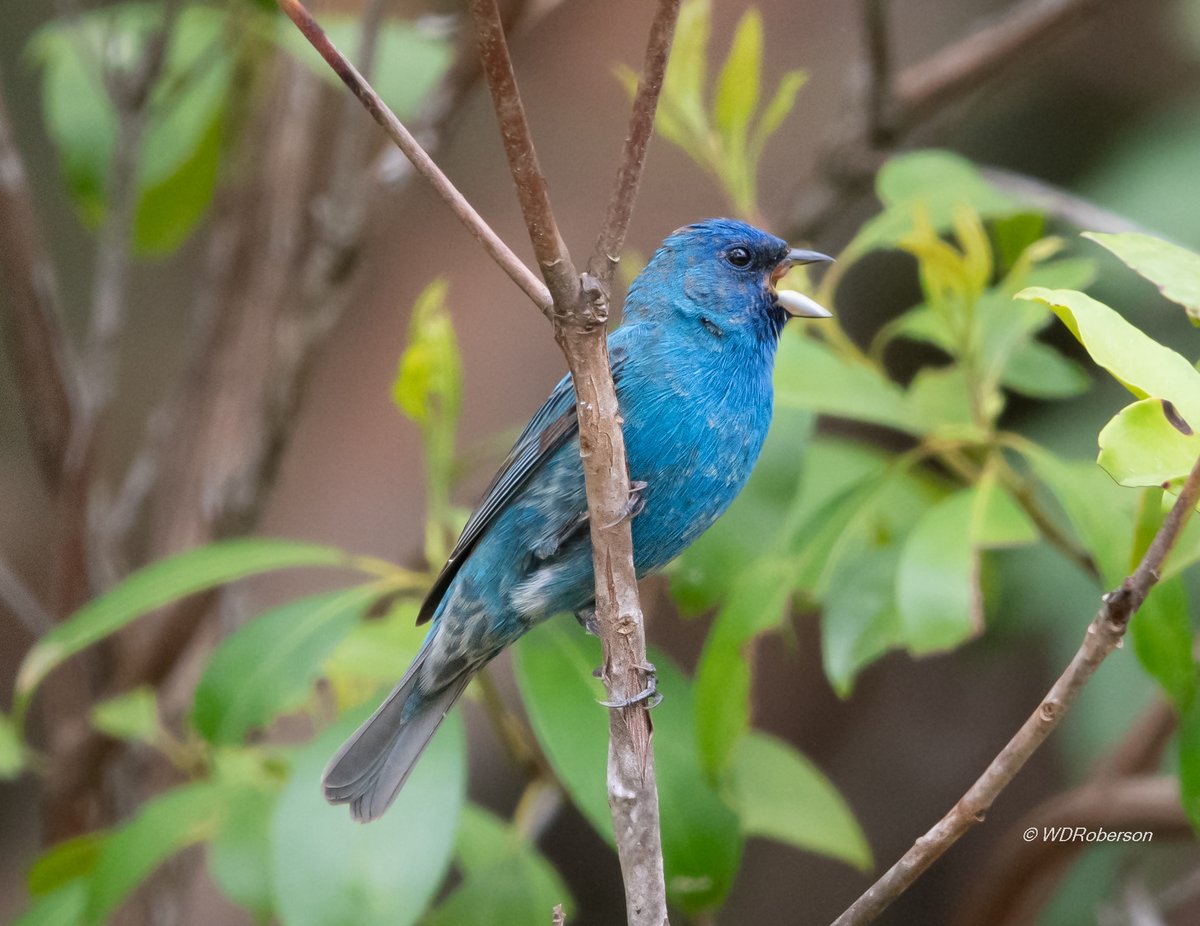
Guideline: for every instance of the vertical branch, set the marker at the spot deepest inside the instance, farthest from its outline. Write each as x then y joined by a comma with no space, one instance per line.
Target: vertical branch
37,348
1104,634
548,247
580,314
879,72
607,253
578,307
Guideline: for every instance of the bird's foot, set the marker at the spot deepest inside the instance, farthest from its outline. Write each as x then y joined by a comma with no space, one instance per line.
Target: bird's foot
634,504
650,695
587,620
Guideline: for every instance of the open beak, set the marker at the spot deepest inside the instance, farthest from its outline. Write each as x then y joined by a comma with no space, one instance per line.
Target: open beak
796,304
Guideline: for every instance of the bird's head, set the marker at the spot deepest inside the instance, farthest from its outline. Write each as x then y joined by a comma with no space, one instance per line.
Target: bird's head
724,272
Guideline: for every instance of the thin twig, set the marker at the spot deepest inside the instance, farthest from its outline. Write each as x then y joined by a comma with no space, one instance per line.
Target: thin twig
607,253
1060,203
532,192
879,72
580,313
482,232
43,366
963,66
22,602
1103,635
856,148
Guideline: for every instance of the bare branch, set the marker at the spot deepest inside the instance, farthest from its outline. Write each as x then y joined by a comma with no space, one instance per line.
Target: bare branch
964,66
579,316
22,602
548,248
37,347
880,127
607,253
857,147
482,232
1060,203
1103,635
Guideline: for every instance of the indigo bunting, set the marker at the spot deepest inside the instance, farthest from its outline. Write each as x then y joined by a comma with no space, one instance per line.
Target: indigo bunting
692,362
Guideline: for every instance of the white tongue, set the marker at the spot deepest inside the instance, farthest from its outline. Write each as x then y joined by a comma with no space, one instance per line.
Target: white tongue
799,305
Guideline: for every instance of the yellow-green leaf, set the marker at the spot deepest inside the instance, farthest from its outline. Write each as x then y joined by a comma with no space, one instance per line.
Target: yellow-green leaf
1149,443
1174,270
738,84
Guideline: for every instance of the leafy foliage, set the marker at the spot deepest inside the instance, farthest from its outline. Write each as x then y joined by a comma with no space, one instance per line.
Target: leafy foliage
891,546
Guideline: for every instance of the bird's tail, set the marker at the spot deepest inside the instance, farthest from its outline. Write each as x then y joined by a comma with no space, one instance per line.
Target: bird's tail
373,764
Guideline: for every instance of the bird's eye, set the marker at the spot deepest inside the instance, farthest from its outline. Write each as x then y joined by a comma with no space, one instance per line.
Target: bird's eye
739,257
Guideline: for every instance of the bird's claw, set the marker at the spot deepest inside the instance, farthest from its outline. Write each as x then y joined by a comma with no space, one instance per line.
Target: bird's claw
587,620
650,695
634,504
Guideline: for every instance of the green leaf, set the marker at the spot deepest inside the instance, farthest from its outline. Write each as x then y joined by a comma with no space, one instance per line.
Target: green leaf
132,716
779,794
1012,234
1149,443
701,842
267,666
684,82
171,208
12,751
161,583
163,826
937,180
239,855
65,862
325,868
1145,367
737,88
756,603
506,882
1188,738
811,377
937,582
1099,510
777,109
180,145
409,60
859,620
1162,640
428,386
1174,270
61,907
1038,370
940,399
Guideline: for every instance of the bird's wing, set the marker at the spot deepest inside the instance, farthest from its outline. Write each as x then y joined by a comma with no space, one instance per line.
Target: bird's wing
555,423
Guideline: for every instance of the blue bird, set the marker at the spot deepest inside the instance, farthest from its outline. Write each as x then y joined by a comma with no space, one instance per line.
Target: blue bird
692,363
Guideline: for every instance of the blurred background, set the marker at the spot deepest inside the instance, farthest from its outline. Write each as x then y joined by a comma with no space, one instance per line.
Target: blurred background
299,436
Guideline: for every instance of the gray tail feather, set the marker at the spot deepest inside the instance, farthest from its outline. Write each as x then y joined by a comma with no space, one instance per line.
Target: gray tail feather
373,764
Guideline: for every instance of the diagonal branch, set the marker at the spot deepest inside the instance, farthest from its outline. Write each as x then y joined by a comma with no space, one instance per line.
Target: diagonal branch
548,247
607,253
482,232
1104,634
41,359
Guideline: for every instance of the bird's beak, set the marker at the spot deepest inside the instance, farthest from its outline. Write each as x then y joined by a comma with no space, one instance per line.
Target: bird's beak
796,304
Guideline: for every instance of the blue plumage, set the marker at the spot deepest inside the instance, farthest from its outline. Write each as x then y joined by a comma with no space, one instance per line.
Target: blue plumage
692,364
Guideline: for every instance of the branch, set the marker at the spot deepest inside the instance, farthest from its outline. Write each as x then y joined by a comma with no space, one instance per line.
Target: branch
964,66
43,368
857,148
22,602
1104,634
580,313
548,247
482,232
607,253
578,309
